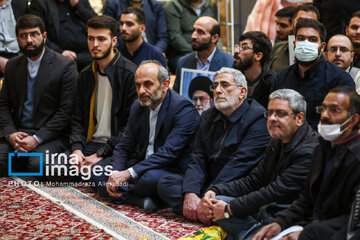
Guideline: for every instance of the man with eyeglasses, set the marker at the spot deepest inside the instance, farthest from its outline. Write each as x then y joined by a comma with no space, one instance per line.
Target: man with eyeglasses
340,52
241,206
330,187
312,76
230,141
36,100
200,93
251,57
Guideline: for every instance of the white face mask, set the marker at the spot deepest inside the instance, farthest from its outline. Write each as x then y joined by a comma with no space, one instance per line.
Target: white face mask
331,132
306,51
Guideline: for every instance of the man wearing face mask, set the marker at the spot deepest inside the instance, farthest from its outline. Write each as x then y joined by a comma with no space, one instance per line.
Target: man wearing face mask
312,76
334,176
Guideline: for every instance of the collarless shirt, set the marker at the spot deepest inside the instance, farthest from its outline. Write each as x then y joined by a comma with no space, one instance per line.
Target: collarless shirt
200,66
153,116
33,66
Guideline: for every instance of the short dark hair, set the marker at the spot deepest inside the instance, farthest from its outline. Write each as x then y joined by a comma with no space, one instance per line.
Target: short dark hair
103,21
355,14
311,23
307,7
354,107
29,21
139,13
261,43
286,12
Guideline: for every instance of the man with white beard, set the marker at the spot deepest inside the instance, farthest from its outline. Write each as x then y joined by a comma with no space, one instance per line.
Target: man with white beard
230,141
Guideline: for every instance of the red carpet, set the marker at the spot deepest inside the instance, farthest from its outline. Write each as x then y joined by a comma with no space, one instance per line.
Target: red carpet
40,212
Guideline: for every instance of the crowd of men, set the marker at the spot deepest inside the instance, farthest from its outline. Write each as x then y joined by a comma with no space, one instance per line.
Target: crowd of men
266,145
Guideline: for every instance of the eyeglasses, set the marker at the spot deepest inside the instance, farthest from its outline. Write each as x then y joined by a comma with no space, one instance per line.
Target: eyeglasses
243,47
278,113
342,49
223,84
202,99
33,35
331,109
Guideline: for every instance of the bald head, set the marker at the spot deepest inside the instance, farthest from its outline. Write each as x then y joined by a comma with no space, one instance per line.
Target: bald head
206,34
340,51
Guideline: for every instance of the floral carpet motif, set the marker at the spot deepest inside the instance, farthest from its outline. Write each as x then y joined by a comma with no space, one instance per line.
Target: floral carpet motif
35,211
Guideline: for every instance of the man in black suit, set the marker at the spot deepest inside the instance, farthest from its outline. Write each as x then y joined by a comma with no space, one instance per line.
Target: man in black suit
36,99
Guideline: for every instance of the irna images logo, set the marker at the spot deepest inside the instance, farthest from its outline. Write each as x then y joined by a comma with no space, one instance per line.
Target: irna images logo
15,154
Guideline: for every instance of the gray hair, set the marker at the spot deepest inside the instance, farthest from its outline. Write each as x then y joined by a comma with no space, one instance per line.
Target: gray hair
239,77
163,74
296,101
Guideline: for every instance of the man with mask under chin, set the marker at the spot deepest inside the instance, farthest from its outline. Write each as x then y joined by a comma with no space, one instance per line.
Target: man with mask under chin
333,178
36,99
312,76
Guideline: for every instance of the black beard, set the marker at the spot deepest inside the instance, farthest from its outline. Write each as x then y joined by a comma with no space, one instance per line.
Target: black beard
202,46
305,64
106,53
32,53
243,65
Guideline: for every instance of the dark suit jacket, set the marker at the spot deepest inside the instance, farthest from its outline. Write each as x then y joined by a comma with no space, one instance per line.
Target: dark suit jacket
219,60
53,99
48,10
175,129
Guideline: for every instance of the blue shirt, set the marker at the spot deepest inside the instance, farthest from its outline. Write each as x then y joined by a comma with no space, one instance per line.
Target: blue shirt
146,51
316,84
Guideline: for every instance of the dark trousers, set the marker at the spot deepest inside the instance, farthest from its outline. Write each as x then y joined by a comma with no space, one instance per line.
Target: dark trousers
29,164
171,192
333,229
145,185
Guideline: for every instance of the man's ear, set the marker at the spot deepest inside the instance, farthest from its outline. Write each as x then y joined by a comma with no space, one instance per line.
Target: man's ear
214,38
114,40
165,85
259,56
354,121
142,27
300,119
243,91
323,45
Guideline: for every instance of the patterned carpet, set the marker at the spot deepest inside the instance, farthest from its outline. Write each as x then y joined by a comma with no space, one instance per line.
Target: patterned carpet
35,211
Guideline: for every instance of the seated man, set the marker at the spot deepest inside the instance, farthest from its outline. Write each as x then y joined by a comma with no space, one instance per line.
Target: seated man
283,20
312,76
156,27
230,141
66,26
157,140
36,99
279,58
199,92
180,17
251,57
340,52
277,180
333,177
132,27
352,31
106,90
205,56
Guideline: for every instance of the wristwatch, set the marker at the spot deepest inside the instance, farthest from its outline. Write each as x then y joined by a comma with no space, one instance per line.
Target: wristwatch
226,211
100,152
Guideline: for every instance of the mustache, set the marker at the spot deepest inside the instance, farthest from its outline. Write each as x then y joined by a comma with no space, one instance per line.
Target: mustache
325,121
30,45
124,32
